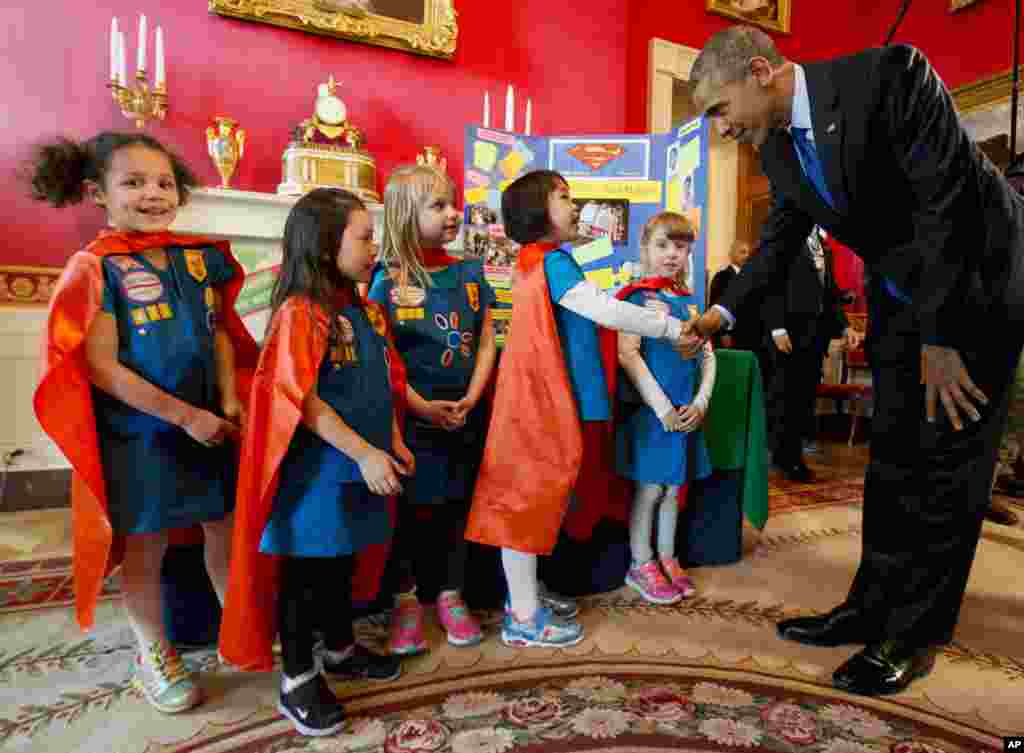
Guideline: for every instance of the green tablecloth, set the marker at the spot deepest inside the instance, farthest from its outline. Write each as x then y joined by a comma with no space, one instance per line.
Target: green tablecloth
735,429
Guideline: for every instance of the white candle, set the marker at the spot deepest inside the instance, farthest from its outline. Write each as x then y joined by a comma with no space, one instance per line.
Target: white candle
114,42
529,115
487,110
141,58
160,70
510,117
122,60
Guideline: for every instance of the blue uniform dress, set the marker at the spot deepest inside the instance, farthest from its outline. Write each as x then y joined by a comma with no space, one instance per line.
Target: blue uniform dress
437,332
157,476
644,451
323,507
580,344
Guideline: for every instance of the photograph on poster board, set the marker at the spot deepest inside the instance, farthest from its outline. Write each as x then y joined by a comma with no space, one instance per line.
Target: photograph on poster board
604,218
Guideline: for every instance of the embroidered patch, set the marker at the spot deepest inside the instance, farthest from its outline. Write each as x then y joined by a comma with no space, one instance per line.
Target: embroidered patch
139,316
125,263
376,320
142,287
346,330
473,293
210,297
409,295
453,320
406,314
196,264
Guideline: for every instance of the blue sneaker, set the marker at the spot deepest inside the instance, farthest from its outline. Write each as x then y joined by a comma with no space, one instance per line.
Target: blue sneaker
545,629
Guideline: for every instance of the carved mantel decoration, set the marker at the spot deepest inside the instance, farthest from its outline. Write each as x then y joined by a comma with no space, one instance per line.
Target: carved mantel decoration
423,27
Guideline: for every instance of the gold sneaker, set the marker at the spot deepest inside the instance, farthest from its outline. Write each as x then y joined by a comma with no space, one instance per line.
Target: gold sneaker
164,680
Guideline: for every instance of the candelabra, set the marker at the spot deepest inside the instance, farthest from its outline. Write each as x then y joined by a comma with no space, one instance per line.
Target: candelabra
140,102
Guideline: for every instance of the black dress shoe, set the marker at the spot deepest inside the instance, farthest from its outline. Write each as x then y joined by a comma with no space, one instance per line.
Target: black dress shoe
884,668
796,471
1013,487
836,628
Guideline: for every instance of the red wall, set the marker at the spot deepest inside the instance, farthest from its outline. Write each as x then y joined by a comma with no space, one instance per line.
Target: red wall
571,61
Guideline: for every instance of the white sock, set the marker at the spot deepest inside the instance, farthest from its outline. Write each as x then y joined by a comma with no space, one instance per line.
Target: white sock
641,522
668,516
521,574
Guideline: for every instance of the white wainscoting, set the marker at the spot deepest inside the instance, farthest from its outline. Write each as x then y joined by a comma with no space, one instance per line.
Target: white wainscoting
21,330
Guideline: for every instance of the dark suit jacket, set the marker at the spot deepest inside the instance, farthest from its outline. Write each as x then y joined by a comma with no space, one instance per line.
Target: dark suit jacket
808,310
914,198
720,283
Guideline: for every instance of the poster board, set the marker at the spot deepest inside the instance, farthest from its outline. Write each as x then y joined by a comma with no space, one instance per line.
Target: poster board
617,181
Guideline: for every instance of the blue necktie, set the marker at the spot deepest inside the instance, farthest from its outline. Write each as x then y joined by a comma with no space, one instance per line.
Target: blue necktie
810,163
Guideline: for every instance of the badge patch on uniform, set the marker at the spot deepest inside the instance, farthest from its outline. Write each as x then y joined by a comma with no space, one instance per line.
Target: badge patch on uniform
693,311
124,263
473,293
196,263
376,320
408,314
408,295
142,287
344,352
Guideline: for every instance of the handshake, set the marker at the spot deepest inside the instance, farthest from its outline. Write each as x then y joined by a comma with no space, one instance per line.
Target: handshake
696,332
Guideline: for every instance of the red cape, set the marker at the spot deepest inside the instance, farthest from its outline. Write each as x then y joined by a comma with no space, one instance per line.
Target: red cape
294,347
63,399
536,443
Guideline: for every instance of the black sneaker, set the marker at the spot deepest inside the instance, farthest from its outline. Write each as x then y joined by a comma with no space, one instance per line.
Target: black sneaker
363,664
313,708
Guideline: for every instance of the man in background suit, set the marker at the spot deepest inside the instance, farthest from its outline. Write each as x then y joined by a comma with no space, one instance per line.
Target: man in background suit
750,334
802,317
870,148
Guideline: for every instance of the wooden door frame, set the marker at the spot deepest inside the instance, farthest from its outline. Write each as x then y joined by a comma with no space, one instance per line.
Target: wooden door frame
666,63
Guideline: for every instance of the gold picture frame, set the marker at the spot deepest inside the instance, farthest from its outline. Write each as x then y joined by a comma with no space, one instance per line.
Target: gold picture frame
984,109
422,27
955,5
772,15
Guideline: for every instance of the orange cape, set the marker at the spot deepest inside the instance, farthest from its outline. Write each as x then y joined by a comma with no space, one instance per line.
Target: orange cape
293,350
536,443
63,399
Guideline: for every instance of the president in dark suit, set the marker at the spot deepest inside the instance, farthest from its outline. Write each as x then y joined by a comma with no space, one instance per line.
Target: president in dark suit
870,148
802,316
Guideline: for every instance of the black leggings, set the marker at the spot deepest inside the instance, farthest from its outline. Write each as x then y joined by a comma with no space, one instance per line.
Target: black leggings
425,546
315,601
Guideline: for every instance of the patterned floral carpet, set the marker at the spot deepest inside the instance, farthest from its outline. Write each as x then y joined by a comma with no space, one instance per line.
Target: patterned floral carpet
708,674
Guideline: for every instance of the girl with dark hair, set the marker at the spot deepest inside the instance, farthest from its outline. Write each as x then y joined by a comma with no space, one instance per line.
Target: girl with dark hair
139,387
318,457
551,409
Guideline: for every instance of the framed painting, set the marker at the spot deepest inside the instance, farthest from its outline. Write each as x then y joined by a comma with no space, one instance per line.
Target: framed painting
423,27
955,5
772,15
984,108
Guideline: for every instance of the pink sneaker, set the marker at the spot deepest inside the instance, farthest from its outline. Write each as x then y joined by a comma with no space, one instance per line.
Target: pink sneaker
677,575
462,629
649,582
407,627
